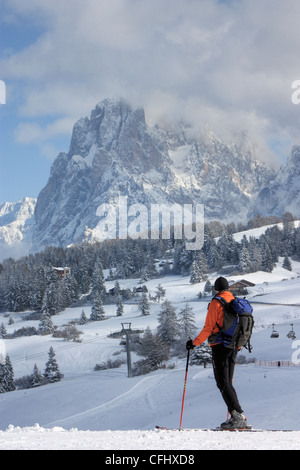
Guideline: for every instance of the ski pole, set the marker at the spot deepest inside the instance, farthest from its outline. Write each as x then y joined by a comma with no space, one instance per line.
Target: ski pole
184,388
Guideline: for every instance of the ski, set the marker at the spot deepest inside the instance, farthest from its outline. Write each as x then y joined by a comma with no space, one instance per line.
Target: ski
163,428
218,429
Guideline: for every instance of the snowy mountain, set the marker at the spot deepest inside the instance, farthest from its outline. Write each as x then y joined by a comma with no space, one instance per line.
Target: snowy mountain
282,194
106,410
16,222
114,153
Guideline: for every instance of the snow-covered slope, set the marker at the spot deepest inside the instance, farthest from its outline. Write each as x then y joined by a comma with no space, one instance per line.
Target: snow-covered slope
108,410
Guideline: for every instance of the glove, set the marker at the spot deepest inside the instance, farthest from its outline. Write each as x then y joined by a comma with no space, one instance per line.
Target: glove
190,345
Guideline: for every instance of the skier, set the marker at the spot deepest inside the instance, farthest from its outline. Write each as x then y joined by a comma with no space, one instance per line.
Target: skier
223,358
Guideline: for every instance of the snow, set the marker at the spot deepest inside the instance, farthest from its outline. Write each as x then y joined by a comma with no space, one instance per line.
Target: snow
106,410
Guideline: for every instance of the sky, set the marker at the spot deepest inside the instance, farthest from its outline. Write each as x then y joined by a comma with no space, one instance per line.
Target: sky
229,65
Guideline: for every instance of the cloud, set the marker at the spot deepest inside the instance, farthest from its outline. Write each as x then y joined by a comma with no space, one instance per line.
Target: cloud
44,137
226,64
29,132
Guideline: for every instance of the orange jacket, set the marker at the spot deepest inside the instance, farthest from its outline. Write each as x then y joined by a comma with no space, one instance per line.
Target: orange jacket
214,317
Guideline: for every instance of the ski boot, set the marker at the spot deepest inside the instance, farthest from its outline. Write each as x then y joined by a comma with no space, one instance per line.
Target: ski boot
236,422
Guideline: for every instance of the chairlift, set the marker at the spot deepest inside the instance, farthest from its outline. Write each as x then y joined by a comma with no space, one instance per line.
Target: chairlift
291,334
275,333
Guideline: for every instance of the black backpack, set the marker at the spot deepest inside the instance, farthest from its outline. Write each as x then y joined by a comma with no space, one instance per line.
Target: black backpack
237,325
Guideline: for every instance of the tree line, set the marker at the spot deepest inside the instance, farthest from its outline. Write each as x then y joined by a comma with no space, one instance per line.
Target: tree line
31,283
51,374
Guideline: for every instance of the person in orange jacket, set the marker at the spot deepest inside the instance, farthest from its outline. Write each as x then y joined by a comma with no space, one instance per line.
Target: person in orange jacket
223,358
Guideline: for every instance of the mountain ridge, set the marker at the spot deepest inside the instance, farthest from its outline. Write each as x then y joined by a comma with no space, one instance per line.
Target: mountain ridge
114,153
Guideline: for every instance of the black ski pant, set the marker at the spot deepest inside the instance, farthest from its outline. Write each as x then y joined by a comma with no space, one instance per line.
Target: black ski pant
223,366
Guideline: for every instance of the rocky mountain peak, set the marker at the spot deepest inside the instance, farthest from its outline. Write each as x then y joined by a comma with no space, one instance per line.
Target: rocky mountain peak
283,193
114,152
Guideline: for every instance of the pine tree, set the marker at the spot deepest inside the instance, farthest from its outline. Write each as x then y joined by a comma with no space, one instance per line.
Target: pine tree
287,263
168,328
207,287
297,242
7,382
71,290
37,378
97,313
202,355
186,321
46,326
187,328
199,268
3,331
120,308
160,292
83,318
98,285
255,255
244,262
52,373
117,289
267,263
144,305
288,233
1,374
155,351
50,300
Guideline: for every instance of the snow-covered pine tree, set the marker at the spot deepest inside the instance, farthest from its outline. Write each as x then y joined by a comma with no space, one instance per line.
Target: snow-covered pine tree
98,284
208,287
201,355
7,373
155,351
168,328
120,307
287,263
3,331
255,255
144,305
50,300
83,318
187,328
37,379
199,268
97,312
267,263
186,321
1,374
160,292
297,242
287,233
71,290
46,326
52,373
244,261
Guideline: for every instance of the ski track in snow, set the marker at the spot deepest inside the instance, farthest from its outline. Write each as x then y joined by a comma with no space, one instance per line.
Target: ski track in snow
121,399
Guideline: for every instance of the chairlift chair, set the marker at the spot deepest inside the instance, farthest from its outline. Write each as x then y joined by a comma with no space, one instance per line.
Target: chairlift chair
291,334
274,333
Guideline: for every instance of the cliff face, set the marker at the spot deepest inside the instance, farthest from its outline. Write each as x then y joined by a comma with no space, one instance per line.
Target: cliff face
283,193
114,153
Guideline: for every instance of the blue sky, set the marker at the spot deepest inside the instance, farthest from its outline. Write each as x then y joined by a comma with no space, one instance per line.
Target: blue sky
229,65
